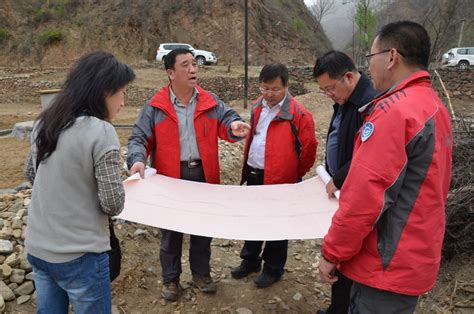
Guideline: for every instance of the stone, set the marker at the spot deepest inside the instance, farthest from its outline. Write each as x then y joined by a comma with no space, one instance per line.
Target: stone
17,233
284,306
17,276
5,270
17,223
2,304
12,285
24,264
33,298
12,260
6,233
23,299
7,215
26,288
6,292
297,296
22,130
139,232
23,234
30,276
20,213
2,258
18,248
243,310
15,207
115,309
7,195
270,306
24,186
6,247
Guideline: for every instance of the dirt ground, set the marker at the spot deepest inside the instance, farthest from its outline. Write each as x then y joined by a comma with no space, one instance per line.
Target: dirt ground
137,290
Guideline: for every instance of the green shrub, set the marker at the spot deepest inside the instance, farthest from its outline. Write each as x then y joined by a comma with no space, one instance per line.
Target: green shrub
4,35
60,8
42,15
299,25
50,37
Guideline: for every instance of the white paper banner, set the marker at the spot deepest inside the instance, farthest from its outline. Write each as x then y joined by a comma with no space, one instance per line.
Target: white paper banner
265,212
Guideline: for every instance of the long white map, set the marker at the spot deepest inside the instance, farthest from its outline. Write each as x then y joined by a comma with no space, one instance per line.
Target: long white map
266,212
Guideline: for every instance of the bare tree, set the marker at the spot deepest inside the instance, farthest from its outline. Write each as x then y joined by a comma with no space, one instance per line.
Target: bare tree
320,8
440,17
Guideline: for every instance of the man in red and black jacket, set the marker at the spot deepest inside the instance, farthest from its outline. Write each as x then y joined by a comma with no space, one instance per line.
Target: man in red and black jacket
179,129
388,231
280,148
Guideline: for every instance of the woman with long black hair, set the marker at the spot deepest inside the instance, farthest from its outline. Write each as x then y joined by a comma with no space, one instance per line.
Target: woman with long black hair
74,164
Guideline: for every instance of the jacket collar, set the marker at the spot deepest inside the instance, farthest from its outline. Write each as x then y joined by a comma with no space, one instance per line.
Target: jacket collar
357,96
286,112
162,100
421,76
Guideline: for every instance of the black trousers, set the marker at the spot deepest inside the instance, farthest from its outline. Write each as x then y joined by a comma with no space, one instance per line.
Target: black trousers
172,242
275,252
340,295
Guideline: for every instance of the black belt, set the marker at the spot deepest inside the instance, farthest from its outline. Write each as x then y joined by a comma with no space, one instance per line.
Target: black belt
191,163
255,171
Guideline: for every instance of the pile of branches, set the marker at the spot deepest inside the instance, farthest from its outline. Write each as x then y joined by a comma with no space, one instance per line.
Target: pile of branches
459,237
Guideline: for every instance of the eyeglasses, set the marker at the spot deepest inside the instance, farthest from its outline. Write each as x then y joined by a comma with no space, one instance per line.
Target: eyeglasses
369,56
330,89
273,91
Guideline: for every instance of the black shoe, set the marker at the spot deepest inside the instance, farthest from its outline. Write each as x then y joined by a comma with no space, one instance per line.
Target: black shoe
265,280
244,270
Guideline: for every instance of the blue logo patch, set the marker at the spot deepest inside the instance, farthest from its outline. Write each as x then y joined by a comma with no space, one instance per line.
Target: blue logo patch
367,131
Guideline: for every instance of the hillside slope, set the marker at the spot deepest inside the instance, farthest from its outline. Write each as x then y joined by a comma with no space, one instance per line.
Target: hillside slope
54,32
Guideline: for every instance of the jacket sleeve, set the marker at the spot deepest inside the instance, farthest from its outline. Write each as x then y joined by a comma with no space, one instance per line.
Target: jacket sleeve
340,176
309,144
142,141
377,164
226,115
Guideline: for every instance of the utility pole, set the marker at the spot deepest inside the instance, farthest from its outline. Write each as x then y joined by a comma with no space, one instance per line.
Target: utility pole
246,61
460,32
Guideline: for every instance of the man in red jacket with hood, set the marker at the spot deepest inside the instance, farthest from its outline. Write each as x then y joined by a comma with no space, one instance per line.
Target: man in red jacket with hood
280,148
388,231
179,128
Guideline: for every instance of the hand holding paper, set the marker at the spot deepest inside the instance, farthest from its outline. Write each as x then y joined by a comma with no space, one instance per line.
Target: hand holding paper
324,175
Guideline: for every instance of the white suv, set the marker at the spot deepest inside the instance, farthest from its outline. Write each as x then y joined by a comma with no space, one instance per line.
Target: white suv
462,57
202,56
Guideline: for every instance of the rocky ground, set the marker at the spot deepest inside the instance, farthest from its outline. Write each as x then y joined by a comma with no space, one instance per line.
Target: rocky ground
138,287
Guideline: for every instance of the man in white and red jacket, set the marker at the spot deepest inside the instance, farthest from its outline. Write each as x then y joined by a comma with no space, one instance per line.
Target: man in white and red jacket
388,231
280,148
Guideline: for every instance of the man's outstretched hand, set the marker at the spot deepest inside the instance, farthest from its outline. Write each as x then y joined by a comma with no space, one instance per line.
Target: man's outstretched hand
240,128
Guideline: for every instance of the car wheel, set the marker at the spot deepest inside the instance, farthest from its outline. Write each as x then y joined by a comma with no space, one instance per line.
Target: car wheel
201,60
463,65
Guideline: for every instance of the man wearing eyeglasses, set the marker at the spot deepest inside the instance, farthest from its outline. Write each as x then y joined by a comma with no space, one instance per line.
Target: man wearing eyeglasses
339,80
388,231
280,148
179,130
